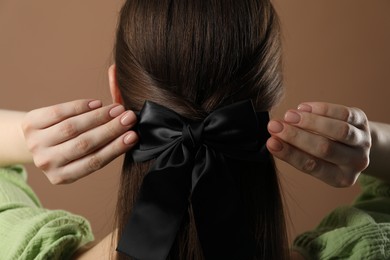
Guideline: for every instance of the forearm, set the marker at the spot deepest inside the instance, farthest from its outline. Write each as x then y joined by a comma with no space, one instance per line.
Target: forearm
380,151
13,148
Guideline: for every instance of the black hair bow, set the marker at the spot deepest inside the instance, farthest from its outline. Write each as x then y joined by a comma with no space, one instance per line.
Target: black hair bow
192,165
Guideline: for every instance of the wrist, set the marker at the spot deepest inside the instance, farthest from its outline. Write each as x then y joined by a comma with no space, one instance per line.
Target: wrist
13,149
380,149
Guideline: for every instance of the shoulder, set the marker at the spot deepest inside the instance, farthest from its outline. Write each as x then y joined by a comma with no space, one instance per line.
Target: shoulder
101,250
295,255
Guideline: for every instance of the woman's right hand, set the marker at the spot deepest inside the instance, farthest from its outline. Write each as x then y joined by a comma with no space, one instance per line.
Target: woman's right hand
71,140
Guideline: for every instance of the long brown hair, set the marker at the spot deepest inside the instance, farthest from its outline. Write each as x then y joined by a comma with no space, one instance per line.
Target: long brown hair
193,56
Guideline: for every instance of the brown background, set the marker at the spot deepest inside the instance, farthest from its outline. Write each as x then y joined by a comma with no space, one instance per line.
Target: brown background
54,51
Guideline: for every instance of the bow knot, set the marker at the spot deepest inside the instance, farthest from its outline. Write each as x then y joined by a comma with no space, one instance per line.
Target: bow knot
193,165
192,135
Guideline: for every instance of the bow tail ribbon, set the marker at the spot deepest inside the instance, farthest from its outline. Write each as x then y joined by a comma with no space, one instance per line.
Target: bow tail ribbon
158,212
220,218
164,199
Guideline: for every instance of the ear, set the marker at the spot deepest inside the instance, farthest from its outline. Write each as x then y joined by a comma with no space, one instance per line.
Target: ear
114,87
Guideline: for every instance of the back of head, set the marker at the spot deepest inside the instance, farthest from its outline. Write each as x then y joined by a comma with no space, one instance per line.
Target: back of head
199,54
193,56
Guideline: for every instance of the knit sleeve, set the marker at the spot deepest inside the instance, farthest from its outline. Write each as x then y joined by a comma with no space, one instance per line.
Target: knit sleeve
359,231
28,231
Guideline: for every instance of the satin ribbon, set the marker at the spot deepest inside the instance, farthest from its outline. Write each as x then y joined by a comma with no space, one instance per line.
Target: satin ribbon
192,163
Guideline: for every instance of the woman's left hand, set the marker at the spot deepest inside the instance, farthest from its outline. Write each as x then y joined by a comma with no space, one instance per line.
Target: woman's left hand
328,141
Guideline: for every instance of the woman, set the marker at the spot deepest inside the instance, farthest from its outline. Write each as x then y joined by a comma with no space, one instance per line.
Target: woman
179,55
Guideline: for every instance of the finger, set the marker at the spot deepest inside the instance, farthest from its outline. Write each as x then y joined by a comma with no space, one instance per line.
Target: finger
314,144
74,126
354,116
94,161
323,170
48,116
333,128
94,139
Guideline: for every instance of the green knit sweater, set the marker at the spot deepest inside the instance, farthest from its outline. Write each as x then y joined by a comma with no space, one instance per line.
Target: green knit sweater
28,231
359,231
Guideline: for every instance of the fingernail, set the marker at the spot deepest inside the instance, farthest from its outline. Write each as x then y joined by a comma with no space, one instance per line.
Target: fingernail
128,118
95,104
116,111
275,127
292,117
305,108
130,138
275,145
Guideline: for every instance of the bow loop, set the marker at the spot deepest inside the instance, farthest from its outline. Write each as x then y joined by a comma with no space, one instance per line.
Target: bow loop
237,131
192,162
